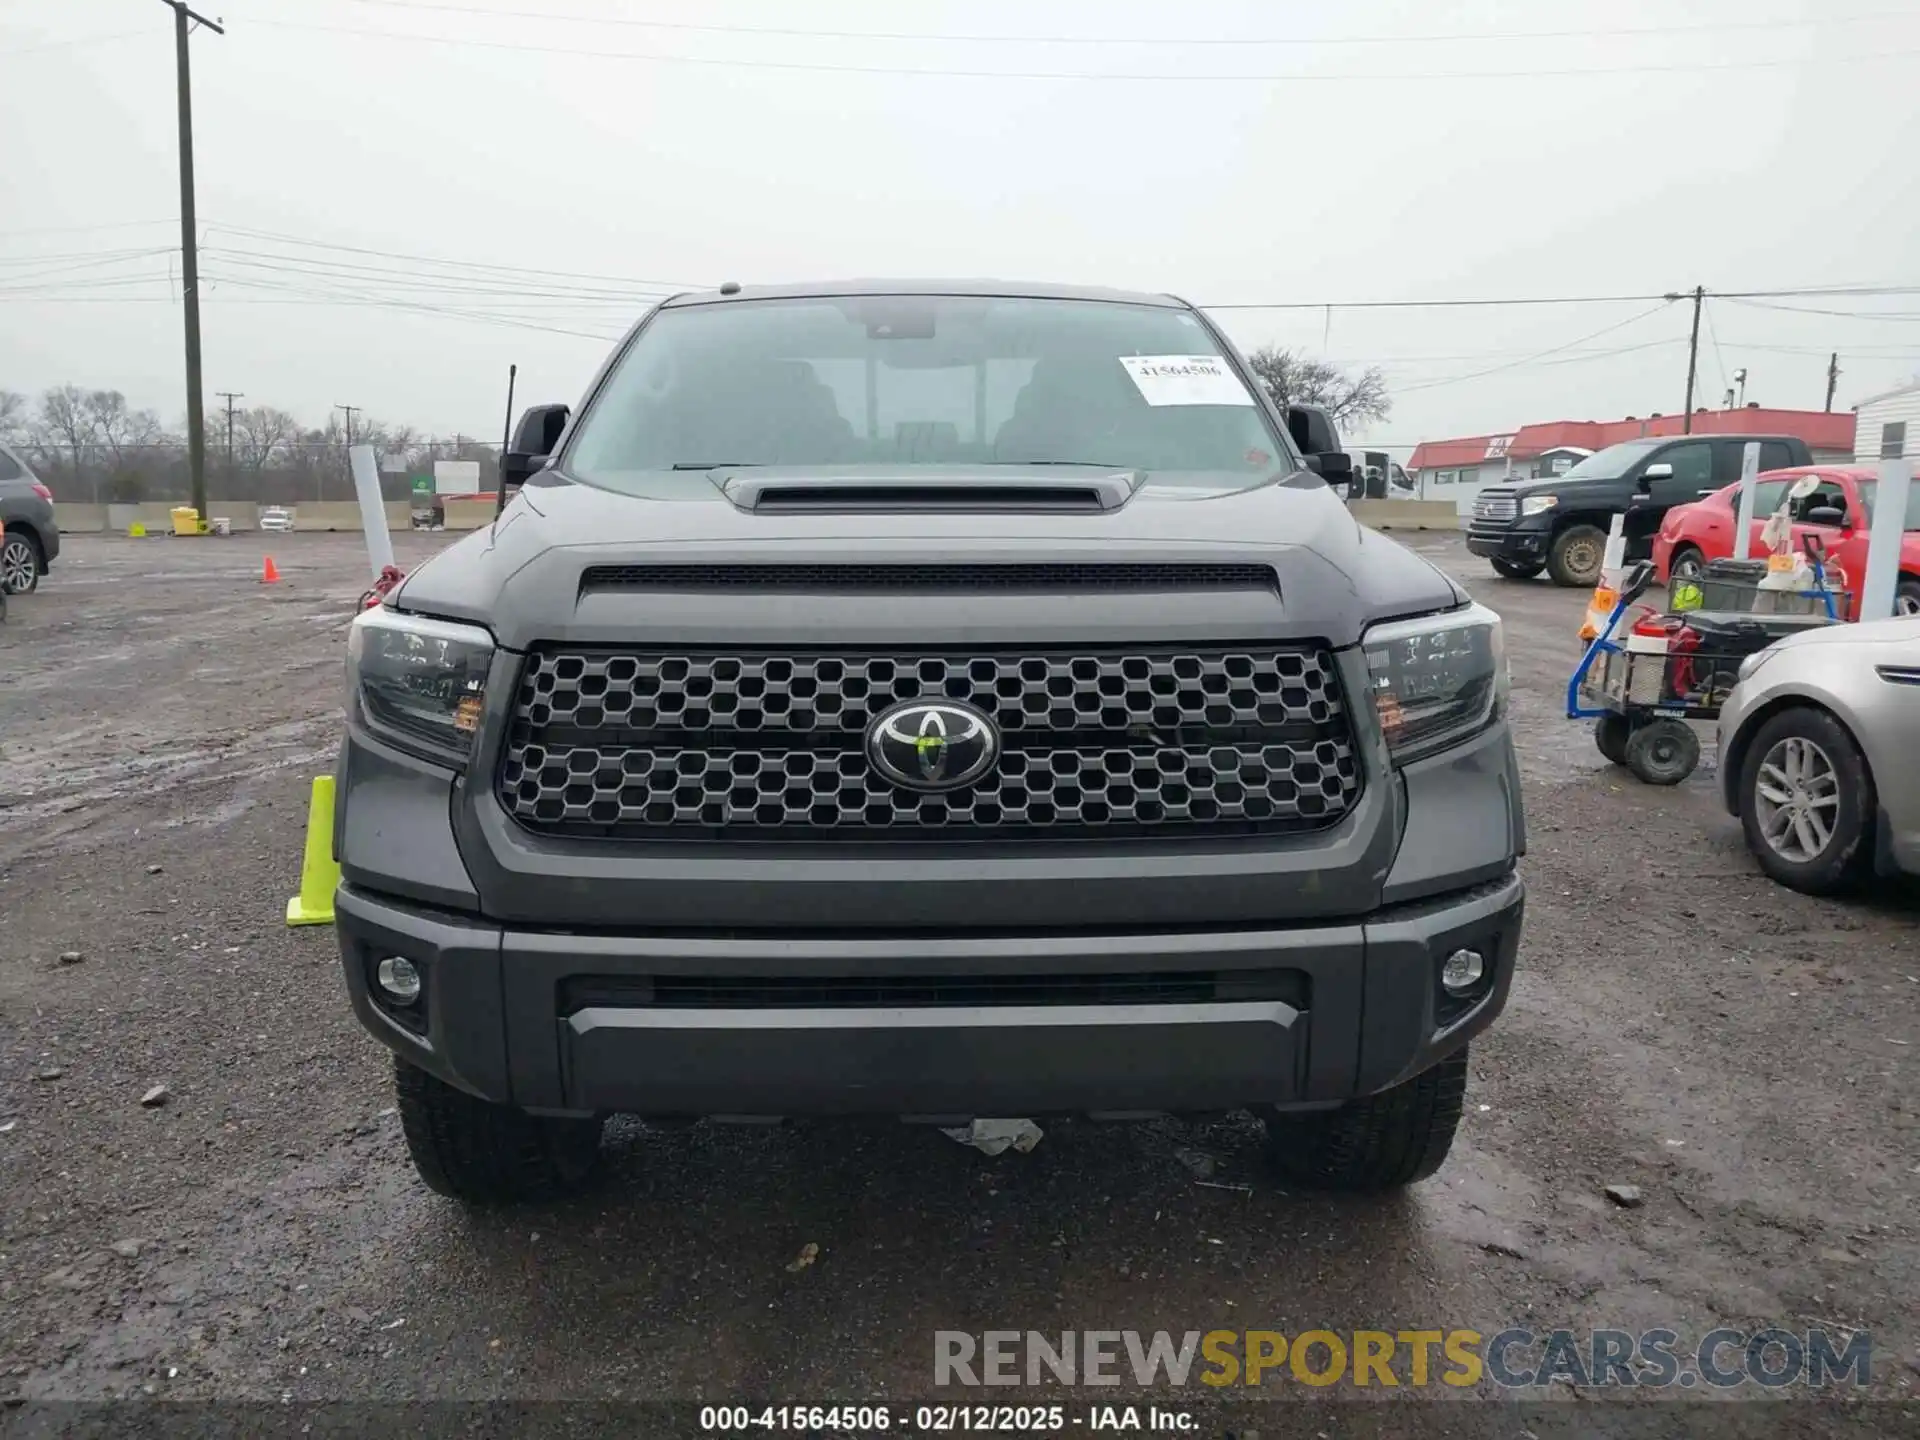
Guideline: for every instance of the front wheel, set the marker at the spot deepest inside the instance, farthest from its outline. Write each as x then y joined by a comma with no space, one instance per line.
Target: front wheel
485,1154
1380,1142
1662,752
1805,795
1686,566
1576,556
19,563
1518,569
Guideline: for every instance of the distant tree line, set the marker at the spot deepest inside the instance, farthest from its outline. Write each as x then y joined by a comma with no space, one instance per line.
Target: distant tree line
91,447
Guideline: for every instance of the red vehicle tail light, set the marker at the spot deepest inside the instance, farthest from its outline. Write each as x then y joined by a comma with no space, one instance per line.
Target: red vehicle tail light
42,491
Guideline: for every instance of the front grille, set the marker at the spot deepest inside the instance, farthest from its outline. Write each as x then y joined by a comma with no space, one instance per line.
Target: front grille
734,992
1103,577
680,746
1498,505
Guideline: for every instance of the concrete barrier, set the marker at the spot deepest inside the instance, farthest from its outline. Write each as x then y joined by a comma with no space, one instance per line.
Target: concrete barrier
157,516
1409,514
468,514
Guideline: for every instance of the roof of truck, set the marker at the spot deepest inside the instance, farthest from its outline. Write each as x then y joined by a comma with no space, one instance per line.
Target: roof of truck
1006,289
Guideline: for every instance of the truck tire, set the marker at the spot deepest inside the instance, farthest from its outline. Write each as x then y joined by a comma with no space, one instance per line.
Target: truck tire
1381,1142
485,1154
1518,569
1574,559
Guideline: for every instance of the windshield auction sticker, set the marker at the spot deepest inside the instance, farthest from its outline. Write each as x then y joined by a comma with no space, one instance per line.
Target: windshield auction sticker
1185,380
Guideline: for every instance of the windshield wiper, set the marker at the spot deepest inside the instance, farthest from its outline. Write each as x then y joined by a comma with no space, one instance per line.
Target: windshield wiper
716,464
1084,464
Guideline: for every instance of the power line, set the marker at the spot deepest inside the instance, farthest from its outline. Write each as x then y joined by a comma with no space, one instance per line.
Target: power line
1243,40
1541,355
1298,76
71,40
301,241
1902,315
1718,359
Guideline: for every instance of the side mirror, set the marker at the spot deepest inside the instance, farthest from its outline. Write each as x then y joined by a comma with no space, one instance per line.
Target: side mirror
1831,516
1659,470
1333,466
534,439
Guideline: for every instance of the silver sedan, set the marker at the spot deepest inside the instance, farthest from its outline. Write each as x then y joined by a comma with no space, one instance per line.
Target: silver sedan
1820,754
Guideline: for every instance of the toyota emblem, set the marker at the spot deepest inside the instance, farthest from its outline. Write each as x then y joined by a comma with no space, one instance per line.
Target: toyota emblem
932,745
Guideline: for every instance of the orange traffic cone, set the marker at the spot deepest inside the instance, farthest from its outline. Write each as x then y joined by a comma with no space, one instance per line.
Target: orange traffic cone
269,572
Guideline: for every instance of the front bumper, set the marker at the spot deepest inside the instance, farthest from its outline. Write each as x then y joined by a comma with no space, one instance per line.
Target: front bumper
676,1024
1524,541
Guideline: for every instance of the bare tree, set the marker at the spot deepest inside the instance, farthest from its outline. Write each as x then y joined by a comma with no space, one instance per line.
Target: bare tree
1349,399
62,429
261,436
121,429
13,416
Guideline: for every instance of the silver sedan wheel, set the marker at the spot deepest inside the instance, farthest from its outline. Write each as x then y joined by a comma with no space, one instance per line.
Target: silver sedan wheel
1797,800
17,566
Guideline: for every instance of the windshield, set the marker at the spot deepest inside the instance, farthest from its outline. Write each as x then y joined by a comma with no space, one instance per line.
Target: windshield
1870,492
915,381
1612,461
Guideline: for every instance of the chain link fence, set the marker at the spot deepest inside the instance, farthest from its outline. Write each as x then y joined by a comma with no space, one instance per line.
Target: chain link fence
287,474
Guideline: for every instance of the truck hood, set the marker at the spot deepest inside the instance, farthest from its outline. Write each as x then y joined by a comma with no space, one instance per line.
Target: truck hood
525,576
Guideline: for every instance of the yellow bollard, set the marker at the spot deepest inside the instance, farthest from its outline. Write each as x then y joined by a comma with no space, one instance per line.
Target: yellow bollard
319,872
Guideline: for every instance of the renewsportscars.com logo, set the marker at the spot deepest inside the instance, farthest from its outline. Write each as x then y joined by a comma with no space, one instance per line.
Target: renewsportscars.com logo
1513,1359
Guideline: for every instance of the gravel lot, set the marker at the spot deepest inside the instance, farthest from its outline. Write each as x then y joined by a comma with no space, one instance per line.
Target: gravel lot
1745,1056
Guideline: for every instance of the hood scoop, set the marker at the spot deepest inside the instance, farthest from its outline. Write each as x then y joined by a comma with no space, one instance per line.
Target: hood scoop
964,494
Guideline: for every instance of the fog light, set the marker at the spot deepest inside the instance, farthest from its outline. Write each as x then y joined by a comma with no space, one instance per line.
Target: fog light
401,981
1460,974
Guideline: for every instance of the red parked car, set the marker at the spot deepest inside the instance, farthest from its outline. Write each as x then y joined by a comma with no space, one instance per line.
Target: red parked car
1839,512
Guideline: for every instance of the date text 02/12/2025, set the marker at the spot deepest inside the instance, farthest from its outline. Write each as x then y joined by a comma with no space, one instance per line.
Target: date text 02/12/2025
944,1419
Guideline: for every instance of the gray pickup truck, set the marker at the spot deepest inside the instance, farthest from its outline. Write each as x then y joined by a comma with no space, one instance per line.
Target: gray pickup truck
938,701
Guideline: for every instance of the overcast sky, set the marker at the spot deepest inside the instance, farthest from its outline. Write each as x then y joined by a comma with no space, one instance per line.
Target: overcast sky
1378,151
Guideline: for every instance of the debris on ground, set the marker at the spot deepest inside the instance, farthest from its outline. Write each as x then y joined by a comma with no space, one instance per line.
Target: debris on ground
127,1249
48,1072
809,1253
1198,1161
1627,1197
1494,1247
158,1095
71,957
994,1137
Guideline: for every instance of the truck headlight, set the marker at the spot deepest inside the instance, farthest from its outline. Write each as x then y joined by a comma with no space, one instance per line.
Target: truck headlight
419,682
1538,504
1436,680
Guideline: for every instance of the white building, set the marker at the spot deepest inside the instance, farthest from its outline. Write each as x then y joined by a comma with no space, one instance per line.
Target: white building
1887,426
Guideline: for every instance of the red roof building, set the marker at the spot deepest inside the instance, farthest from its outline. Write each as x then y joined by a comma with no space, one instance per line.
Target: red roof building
1547,449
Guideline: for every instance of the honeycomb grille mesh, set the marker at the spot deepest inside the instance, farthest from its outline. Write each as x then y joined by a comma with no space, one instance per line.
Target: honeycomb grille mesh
624,744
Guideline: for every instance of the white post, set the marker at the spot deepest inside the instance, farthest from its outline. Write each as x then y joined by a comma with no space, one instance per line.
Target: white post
373,508
1743,521
1883,540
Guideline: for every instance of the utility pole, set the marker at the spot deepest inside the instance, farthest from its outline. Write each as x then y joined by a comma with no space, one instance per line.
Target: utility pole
1833,377
351,410
1693,355
183,22
230,396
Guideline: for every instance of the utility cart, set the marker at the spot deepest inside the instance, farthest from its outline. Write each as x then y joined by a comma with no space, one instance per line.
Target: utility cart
1643,679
